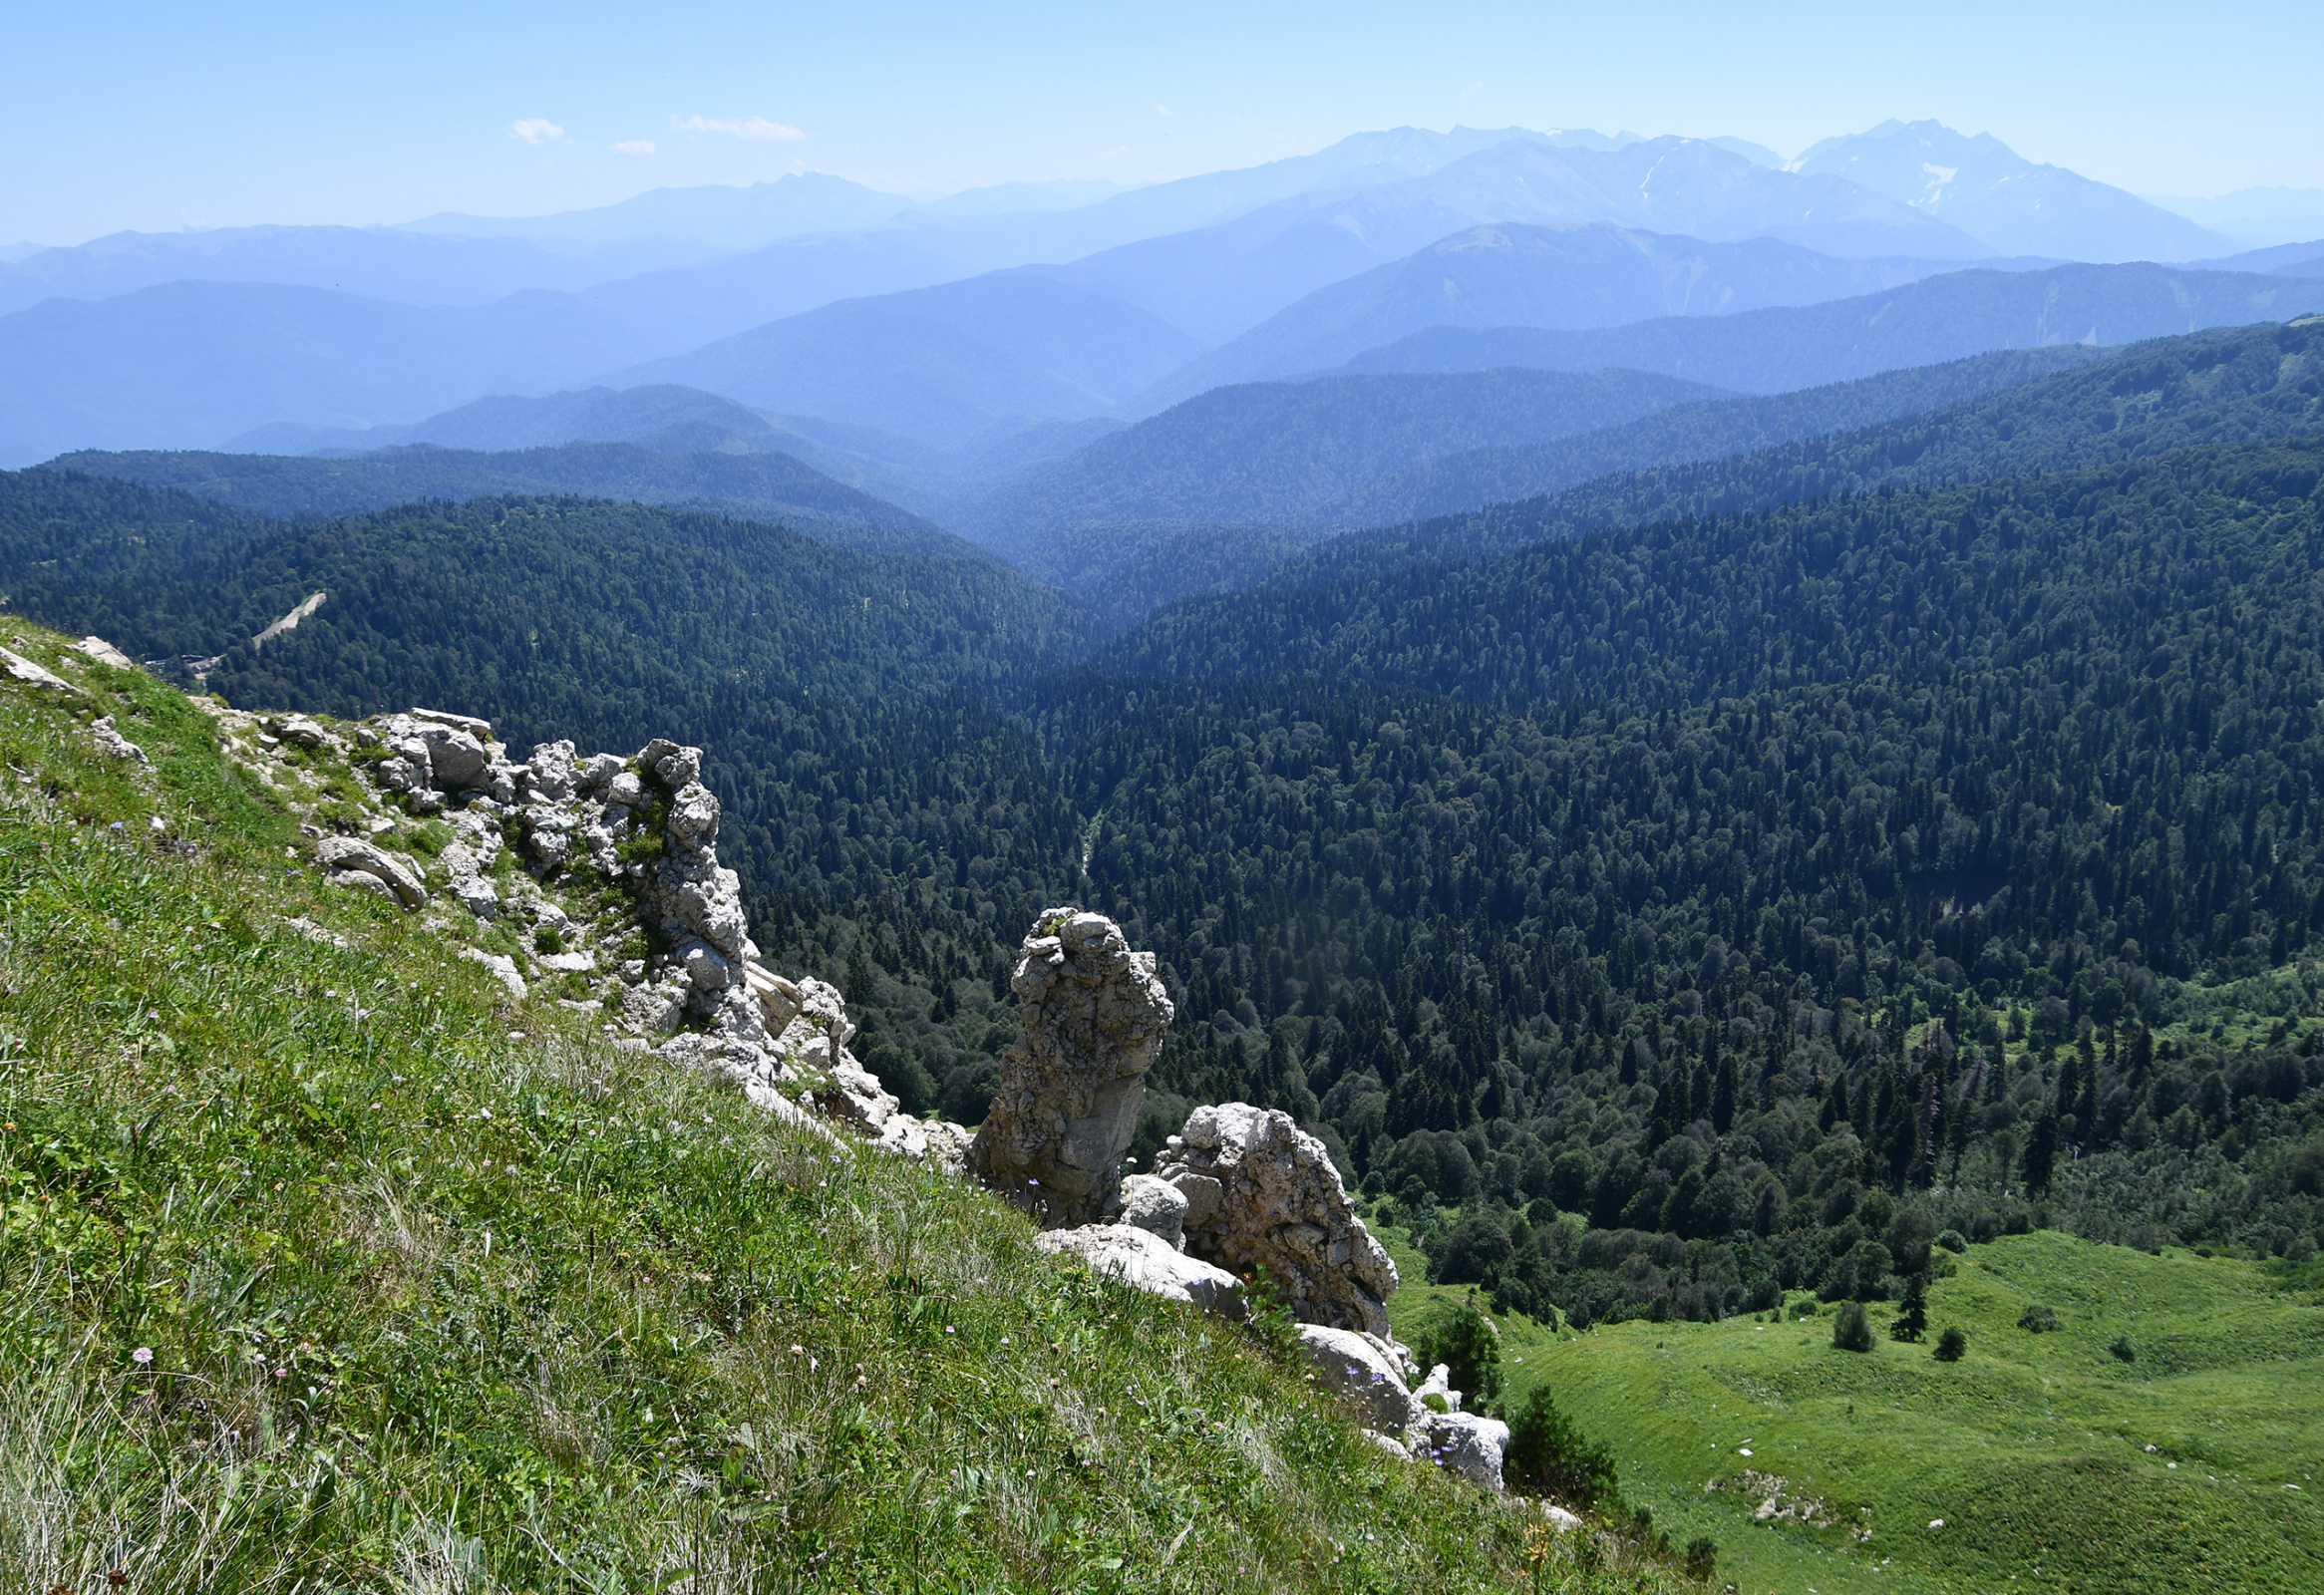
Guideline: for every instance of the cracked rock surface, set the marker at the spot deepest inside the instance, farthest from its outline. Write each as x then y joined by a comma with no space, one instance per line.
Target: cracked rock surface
1067,1109
1263,1194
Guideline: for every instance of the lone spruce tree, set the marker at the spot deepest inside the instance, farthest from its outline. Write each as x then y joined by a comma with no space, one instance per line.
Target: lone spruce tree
1913,1322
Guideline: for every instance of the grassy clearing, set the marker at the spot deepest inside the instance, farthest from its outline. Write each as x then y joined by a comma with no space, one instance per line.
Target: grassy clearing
324,1268
2032,1449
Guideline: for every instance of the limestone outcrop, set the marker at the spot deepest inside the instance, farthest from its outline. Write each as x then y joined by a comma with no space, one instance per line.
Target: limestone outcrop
1093,1016
352,861
112,743
1263,1194
678,971
1144,1260
1463,1443
1157,1205
1367,1372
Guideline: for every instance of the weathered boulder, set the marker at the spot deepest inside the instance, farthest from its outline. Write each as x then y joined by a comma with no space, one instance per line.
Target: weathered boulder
111,743
1157,1205
1093,1020
1143,1259
1439,1385
22,669
1263,1194
105,653
1463,1443
300,732
344,856
1362,1372
500,967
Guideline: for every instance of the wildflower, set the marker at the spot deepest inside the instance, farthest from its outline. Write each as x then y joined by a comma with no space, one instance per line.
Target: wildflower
143,1356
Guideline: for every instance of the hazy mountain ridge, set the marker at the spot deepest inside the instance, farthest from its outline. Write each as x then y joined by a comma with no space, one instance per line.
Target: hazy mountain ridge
1944,317
1592,274
2013,206
941,363
1280,454
2227,386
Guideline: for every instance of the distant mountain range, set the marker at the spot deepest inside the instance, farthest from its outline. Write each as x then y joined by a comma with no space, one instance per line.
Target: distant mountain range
1941,318
983,322
1592,274
2006,201
942,364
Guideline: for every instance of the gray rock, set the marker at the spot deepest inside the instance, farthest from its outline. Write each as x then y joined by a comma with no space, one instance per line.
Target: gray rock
477,896
481,730
22,669
1093,1020
1157,1205
502,967
671,765
359,881
455,758
1439,1385
597,772
105,653
1144,1260
656,1009
1263,1194
112,743
1356,1369
300,732
548,774
1464,1444
352,855
705,970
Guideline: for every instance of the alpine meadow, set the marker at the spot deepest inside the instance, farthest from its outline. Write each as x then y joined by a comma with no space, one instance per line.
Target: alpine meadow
1495,860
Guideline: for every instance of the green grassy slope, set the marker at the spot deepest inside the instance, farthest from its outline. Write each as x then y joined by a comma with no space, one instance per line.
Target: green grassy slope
322,1267
2032,1450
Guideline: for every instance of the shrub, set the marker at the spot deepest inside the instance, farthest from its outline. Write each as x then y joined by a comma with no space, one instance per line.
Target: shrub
1850,1332
1952,1240
2038,1320
548,939
1950,1345
1548,1454
1702,1558
2123,1349
1466,1342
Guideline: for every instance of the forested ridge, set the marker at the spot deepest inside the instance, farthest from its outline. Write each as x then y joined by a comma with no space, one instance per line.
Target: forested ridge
759,484
1767,890
2242,383
1279,453
1706,428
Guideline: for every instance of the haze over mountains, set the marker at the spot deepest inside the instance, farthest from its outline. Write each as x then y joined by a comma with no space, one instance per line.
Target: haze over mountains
932,349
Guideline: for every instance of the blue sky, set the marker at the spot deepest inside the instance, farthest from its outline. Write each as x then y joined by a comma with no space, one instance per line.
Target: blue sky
156,116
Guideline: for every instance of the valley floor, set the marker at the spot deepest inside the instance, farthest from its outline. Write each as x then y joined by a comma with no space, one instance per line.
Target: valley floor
2050,1462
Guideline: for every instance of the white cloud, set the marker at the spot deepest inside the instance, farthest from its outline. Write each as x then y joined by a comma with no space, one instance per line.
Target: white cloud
634,146
1165,111
736,126
536,130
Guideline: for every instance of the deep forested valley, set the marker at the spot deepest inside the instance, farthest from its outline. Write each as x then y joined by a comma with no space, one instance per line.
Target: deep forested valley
1780,861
